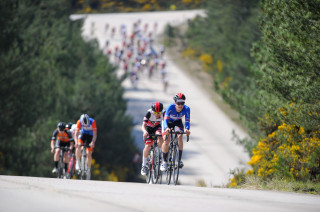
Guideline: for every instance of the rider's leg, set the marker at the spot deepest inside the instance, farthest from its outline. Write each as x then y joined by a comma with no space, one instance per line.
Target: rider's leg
165,147
66,160
160,142
78,153
180,142
56,156
89,158
145,153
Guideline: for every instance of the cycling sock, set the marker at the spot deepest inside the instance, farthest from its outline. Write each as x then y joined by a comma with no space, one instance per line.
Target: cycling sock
144,161
180,154
56,164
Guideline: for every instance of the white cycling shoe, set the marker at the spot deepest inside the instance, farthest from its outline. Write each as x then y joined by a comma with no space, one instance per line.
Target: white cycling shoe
143,170
77,166
54,170
163,166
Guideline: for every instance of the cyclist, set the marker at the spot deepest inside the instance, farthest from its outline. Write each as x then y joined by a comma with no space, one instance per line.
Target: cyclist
68,126
61,138
151,125
85,134
173,119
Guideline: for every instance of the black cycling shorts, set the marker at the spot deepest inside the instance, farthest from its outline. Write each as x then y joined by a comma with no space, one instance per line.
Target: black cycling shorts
152,130
177,125
85,139
62,144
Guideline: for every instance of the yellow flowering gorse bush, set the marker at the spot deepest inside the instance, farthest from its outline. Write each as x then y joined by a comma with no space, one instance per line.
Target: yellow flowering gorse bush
289,151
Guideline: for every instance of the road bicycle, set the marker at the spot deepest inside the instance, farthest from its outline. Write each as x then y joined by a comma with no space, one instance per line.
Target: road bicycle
153,161
61,168
82,173
71,165
173,157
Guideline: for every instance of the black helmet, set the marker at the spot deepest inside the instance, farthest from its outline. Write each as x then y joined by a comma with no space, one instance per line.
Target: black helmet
61,126
69,125
179,97
157,107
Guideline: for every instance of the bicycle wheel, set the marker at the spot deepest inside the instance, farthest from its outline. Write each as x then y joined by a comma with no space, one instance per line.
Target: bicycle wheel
169,168
176,164
83,165
60,166
155,165
70,169
149,166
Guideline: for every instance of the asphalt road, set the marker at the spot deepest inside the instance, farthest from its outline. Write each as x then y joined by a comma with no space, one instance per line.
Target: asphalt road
209,156
211,153
48,194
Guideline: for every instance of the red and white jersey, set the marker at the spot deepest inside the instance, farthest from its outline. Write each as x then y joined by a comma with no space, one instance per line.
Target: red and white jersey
150,119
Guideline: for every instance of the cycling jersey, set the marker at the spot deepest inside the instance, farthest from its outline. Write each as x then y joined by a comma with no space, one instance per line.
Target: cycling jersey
172,115
64,136
92,127
150,119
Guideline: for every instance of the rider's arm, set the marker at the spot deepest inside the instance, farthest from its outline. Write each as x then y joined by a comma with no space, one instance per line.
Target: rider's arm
54,138
166,118
143,127
187,118
145,121
77,130
95,133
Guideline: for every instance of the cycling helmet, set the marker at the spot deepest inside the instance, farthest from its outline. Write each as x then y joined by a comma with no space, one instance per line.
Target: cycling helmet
157,107
69,125
179,97
84,119
61,126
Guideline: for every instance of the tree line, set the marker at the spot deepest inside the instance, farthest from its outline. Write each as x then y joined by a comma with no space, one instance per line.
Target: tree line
49,74
264,58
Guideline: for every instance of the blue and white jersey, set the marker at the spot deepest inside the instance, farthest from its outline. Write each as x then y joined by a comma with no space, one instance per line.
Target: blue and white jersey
172,115
92,127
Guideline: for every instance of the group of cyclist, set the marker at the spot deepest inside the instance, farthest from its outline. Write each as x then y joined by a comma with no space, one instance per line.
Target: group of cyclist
74,136
136,53
160,121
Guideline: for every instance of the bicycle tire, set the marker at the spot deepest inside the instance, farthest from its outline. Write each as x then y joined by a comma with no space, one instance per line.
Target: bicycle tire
155,165
70,169
60,165
149,166
169,168
175,175
83,164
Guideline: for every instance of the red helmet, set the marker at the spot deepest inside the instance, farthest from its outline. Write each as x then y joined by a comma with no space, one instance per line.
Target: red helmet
179,97
157,107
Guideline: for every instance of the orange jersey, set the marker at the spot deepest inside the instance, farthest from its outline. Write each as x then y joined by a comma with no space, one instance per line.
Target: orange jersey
92,127
64,136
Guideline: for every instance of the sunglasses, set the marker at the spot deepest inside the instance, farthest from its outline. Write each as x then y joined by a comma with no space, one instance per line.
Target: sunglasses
180,103
157,113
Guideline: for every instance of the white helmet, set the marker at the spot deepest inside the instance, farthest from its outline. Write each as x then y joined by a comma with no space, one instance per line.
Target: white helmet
84,119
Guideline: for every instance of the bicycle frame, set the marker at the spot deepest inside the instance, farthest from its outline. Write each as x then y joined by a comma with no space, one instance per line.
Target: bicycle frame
71,165
173,157
154,160
61,169
83,165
